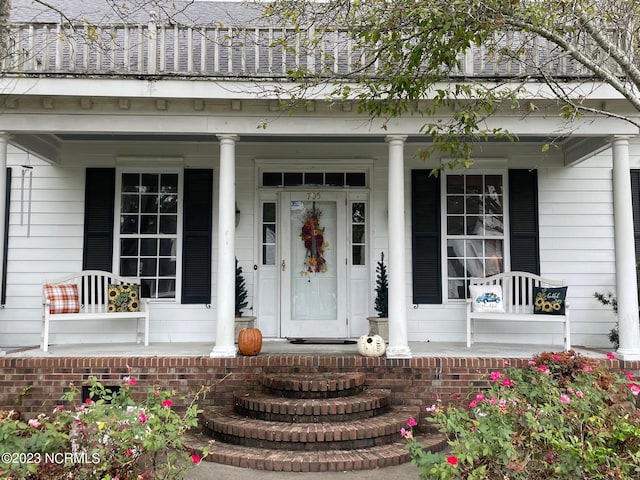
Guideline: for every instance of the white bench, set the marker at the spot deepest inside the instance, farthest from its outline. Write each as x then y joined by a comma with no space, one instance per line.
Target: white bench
93,299
518,298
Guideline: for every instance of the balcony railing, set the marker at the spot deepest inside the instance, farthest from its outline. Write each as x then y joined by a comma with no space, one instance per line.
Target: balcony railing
154,49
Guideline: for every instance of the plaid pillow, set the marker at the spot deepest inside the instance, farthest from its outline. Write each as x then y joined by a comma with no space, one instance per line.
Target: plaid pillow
123,298
63,298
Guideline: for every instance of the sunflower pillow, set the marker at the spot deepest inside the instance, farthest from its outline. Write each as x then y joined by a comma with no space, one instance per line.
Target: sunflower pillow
549,300
123,298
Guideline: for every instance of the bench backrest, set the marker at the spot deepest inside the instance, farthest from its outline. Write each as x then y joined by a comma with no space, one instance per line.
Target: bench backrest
517,288
93,286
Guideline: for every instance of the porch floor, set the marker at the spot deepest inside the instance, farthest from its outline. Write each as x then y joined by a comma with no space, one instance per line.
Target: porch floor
281,347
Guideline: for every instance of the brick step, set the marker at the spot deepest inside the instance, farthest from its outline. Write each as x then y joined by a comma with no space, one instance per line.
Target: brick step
366,404
329,385
310,461
223,424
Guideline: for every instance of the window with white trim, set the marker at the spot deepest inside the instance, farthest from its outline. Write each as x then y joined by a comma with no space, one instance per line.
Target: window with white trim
147,226
475,229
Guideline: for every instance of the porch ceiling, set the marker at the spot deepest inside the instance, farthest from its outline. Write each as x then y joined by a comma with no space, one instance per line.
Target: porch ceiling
50,147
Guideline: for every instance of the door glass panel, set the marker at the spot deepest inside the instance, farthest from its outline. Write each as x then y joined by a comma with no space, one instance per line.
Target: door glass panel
269,233
314,268
358,233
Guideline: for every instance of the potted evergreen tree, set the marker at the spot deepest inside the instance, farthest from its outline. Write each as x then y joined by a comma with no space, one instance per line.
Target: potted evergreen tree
241,303
380,325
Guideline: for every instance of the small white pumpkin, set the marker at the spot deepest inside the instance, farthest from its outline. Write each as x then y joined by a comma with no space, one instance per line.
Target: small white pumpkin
371,346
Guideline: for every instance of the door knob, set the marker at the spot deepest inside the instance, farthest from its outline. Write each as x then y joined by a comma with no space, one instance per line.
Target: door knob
283,265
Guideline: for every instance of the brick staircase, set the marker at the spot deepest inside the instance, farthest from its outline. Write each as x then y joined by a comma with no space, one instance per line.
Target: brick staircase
310,423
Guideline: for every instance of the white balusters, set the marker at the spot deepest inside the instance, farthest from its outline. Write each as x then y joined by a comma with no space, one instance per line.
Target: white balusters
259,51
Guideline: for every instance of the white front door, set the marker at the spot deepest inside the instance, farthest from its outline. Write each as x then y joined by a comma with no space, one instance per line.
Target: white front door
313,270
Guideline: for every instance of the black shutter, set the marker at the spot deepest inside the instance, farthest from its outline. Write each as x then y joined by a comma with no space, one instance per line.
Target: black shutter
635,204
523,218
5,247
196,240
425,244
100,186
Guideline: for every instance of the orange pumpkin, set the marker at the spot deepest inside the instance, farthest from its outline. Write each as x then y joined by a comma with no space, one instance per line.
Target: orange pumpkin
250,341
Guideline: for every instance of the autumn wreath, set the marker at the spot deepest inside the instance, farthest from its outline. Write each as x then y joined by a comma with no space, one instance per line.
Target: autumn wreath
313,237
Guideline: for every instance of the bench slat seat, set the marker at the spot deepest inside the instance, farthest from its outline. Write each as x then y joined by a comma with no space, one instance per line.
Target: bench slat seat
518,298
92,292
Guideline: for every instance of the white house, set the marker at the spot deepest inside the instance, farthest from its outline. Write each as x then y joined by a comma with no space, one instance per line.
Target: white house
158,148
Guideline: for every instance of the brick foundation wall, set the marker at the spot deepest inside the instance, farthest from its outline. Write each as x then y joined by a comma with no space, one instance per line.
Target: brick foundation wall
34,385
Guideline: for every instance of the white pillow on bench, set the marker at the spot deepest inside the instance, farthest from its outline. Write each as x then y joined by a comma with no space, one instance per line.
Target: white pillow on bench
486,298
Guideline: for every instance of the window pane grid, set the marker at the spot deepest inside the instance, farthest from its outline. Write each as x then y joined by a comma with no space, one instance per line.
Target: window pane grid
269,233
148,231
317,179
358,233
475,229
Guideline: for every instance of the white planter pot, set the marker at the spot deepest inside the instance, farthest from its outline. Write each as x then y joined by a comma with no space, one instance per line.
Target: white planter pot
243,322
379,326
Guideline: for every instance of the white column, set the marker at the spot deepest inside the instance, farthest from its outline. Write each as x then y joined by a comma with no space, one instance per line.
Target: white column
626,280
398,340
225,285
4,143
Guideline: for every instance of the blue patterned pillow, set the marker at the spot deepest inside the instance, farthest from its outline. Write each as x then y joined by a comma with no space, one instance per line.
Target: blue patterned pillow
486,298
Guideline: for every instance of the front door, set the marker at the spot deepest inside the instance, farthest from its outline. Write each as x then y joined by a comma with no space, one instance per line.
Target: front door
313,270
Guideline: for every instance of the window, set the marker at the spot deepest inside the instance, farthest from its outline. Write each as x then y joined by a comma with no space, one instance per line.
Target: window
148,222
474,225
358,233
323,179
269,233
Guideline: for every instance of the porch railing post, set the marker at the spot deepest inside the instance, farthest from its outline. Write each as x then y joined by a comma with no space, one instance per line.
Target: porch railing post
151,44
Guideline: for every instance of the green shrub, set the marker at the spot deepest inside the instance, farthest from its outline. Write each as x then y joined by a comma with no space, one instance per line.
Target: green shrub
110,437
381,303
563,417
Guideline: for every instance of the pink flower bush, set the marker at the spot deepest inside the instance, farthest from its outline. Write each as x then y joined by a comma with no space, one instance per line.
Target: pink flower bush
124,435
507,383
408,434
34,422
552,418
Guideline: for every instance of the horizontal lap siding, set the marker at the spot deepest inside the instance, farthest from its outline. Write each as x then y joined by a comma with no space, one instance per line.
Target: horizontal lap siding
51,247
577,243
